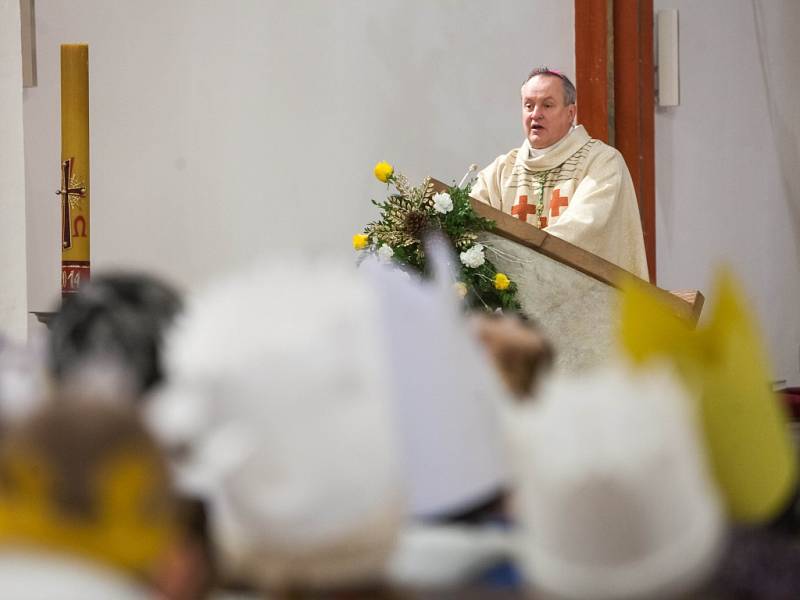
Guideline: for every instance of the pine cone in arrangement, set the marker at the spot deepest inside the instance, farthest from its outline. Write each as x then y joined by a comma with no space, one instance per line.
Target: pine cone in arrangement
415,223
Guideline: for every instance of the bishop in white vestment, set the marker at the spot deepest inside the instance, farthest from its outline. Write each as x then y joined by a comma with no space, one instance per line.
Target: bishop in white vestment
563,181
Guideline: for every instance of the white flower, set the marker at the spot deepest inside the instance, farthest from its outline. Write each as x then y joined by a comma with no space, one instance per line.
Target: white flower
385,253
442,203
473,257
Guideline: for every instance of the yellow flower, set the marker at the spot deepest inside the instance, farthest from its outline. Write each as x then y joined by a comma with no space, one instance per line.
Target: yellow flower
360,241
461,288
384,171
501,281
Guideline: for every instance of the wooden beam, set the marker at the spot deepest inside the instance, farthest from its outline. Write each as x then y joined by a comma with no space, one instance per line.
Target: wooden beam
616,98
593,69
634,108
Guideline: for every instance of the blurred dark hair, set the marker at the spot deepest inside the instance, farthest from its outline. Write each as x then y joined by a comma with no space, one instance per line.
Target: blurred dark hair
117,318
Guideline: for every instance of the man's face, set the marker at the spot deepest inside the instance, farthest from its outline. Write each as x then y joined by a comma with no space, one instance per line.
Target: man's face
545,117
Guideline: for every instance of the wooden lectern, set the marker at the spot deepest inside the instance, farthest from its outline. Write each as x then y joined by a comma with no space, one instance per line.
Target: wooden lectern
570,292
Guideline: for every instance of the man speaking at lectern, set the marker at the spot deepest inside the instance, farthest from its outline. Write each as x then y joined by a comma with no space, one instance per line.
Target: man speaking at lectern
561,180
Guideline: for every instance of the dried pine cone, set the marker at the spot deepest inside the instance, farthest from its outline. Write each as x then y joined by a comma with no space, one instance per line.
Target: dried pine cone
414,223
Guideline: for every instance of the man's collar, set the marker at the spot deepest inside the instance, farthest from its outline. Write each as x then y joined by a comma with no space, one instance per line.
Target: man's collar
537,152
555,154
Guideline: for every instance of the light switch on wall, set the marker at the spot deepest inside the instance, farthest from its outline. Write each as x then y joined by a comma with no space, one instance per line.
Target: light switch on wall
667,58
28,22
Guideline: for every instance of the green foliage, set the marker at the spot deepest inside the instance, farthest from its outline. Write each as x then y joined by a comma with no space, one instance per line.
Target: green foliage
408,214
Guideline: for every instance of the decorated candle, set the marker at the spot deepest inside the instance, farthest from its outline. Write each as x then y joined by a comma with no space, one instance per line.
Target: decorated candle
74,190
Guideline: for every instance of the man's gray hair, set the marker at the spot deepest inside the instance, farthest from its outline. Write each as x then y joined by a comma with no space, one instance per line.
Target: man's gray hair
570,95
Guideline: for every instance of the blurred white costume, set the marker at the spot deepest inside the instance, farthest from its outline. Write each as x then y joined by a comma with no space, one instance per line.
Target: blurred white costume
615,498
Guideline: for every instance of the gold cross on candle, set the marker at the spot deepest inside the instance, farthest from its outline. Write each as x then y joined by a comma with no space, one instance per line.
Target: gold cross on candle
71,190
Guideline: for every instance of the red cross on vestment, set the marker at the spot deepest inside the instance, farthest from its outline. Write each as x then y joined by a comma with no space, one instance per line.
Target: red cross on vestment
522,209
557,202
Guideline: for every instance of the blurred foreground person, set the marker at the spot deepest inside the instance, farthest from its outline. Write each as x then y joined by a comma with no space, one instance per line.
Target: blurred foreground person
341,434
631,476
745,430
278,403
109,335
86,511
615,498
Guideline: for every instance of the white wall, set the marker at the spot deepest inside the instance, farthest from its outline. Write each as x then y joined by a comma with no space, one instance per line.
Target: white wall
13,285
728,160
224,129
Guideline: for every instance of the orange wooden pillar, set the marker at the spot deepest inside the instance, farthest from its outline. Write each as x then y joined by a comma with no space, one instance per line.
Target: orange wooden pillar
616,95
594,76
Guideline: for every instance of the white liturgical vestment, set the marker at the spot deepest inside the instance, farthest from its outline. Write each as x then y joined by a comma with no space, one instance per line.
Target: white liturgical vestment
580,190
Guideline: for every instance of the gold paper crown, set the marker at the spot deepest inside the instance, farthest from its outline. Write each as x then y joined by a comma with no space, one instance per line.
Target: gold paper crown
724,364
121,511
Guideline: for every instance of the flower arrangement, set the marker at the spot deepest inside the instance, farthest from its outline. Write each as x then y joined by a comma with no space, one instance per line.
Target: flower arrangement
411,212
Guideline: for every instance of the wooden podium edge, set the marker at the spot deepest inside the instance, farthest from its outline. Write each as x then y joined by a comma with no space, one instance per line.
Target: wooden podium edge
581,260
685,304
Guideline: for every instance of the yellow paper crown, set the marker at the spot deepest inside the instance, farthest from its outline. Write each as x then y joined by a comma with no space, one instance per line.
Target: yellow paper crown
129,526
86,478
724,365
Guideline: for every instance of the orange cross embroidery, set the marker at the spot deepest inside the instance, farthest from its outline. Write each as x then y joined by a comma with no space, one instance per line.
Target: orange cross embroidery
522,209
557,202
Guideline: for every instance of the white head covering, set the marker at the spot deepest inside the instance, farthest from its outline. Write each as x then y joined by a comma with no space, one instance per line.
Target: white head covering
448,404
448,400
614,497
278,385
